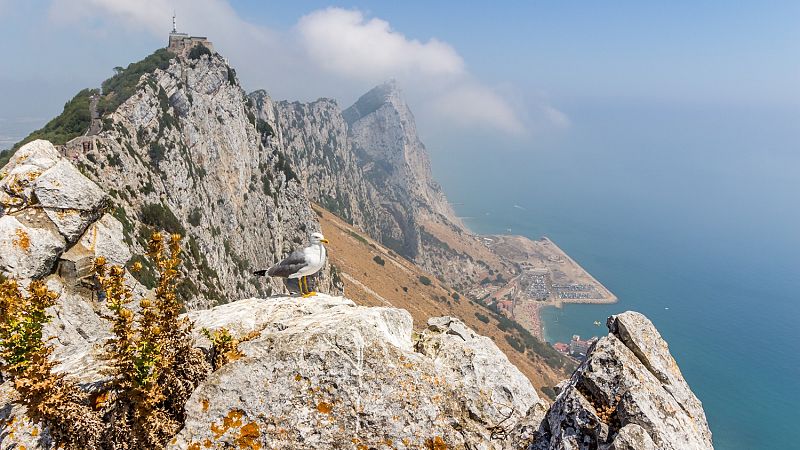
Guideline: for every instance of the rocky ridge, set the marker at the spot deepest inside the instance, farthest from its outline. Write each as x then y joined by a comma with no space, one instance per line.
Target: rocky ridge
367,165
186,153
628,394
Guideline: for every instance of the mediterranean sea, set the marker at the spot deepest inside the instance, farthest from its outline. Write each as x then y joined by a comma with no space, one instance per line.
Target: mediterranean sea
690,215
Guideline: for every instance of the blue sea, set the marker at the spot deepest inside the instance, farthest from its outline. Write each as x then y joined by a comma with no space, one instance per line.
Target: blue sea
690,215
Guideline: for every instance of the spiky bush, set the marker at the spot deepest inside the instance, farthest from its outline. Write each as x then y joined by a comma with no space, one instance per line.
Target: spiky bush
24,358
154,367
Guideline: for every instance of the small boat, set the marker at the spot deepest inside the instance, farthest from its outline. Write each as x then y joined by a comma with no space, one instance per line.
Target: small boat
597,323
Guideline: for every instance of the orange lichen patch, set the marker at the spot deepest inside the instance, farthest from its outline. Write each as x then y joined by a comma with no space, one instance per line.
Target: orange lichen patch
388,442
436,443
205,404
194,446
23,241
35,432
100,400
324,407
362,447
207,443
231,420
297,377
248,436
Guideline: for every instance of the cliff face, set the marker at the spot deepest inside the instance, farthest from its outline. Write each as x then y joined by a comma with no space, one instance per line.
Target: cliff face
186,153
367,165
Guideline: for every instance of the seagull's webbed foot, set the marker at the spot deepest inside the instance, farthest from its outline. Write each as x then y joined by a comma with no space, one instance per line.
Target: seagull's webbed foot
309,294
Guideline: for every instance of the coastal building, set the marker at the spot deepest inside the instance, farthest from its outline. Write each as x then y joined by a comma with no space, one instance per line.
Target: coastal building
180,43
561,348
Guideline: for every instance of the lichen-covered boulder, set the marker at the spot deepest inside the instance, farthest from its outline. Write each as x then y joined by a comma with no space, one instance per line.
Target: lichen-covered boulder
495,390
629,393
105,238
29,244
71,200
324,373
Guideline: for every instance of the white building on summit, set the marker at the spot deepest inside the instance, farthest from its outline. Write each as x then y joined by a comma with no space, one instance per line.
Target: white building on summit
182,42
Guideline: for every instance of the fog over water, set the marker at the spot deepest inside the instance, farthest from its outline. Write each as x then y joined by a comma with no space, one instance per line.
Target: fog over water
689,215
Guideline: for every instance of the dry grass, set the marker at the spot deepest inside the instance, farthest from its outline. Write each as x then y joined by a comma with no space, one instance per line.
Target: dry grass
396,283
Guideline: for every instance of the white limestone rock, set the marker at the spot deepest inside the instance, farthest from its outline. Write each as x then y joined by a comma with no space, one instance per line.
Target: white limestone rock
105,238
629,378
28,250
71,200
324,373
496,391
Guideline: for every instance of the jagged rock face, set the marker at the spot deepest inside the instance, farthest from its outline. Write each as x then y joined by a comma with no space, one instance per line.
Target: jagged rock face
315,138
629,393
324,373
384,137
368,166
187,145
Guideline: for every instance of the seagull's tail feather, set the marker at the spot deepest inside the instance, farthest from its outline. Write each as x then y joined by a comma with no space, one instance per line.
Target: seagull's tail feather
260,273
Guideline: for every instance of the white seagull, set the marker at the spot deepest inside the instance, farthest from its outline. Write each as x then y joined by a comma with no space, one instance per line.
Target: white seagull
301,263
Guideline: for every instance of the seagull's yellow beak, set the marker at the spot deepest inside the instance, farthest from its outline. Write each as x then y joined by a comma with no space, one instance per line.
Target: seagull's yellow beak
325,241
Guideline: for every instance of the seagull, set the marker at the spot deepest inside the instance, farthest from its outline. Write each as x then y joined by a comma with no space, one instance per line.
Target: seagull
301,263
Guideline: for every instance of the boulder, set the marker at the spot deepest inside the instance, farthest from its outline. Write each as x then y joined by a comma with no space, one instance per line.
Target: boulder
495,391
324,373
105,238
29,245
18,176
629,393
71,200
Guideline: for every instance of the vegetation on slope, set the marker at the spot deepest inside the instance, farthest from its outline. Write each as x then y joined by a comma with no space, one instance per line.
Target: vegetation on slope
155,367
123,84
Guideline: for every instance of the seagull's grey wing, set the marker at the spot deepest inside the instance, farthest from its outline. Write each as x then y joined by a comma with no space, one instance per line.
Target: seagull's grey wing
292,264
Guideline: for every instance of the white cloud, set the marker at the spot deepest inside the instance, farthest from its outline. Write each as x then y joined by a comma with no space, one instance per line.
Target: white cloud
470,104
345,42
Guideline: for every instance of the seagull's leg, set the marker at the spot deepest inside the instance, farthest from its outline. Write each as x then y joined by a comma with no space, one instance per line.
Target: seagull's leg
300,284
308,293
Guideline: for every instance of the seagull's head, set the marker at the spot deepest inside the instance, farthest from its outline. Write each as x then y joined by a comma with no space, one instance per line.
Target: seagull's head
317,238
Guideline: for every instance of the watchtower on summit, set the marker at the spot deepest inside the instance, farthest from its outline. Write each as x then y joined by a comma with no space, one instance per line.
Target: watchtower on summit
180,43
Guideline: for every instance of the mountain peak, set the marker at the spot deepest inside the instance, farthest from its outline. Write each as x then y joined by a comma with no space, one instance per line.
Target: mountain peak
385,93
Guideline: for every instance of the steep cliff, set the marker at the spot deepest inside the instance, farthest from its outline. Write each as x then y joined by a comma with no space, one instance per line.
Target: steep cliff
367,165
184,152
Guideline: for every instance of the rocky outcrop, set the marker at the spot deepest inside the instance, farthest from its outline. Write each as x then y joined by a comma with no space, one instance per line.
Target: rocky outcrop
324,373
186,154
46,204
629,393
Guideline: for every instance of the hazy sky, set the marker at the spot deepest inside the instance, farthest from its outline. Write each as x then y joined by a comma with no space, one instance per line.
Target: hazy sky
506,71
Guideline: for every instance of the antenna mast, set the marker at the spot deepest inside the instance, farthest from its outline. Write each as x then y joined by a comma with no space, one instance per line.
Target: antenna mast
174,25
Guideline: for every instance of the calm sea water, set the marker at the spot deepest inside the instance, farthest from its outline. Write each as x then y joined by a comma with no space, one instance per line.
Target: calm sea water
690,216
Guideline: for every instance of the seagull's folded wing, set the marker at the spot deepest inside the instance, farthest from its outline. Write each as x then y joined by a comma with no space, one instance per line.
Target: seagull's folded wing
291,265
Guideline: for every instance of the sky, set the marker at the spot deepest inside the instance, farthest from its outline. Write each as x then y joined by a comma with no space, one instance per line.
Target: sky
473,73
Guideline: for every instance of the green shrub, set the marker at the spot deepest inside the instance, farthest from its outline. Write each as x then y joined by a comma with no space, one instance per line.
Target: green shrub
199,50
425,280
379,260
195,216
516,344
123,84
162,218
264,128
483,318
